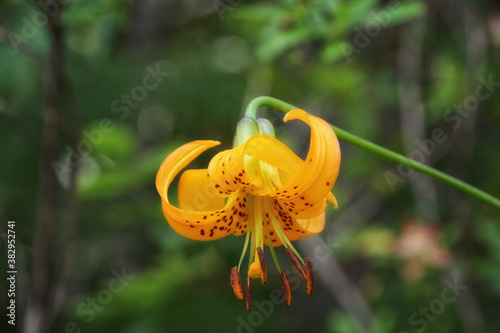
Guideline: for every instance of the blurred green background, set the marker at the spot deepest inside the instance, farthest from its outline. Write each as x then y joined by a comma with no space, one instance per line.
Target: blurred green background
120,84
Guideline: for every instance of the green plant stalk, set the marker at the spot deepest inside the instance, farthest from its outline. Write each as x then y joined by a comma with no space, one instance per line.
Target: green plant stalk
254,105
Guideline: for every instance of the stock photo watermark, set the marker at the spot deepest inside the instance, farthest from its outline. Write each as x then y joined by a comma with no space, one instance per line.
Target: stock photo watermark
364,35
121,107
425,315
33,24
88,309
221,7
11,272
455,117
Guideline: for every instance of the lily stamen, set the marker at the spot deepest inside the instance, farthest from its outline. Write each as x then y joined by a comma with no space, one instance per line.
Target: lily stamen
309,277
296,263
286,288
249,294
260,255
236,283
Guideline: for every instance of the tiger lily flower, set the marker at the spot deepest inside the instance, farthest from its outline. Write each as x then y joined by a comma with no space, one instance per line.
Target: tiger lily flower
259,188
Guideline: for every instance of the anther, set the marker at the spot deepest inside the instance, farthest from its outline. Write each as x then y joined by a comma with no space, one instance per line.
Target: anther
286,288
249,294
310,277
263,272
296,263
236,283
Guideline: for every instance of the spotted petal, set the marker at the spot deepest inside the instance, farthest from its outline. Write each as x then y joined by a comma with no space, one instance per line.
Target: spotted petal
198,224
293,228
316,176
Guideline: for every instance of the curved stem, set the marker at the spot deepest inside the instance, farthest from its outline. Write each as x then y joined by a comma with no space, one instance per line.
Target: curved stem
254,105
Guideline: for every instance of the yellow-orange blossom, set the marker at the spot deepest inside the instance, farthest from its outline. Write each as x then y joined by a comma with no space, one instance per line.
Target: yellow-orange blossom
260,188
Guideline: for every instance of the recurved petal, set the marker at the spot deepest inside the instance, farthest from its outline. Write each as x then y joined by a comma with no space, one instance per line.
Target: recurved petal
196,224
317,174
177,160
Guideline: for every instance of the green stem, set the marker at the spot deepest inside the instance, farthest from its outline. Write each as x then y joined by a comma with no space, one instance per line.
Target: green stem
254,105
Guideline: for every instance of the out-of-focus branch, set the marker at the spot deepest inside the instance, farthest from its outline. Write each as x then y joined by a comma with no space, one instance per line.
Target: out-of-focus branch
37,316
472,31
331,272
68,238
412,113
343,289
50,275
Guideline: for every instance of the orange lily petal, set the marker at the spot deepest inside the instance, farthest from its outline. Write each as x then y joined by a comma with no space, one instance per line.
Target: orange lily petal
177,160
196,193
313,225
293,228
229,171
199,225
318,173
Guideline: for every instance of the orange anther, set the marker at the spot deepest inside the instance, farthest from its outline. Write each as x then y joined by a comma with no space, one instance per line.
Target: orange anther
286,289
309,277
263,271
296,263
249,294
236,283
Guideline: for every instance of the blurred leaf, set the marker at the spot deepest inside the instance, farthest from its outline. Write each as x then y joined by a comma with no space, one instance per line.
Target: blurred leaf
335,51
114,140
280,41
352,13
339,322
489,234
374,242
406,11
441,94
259,13
489,272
